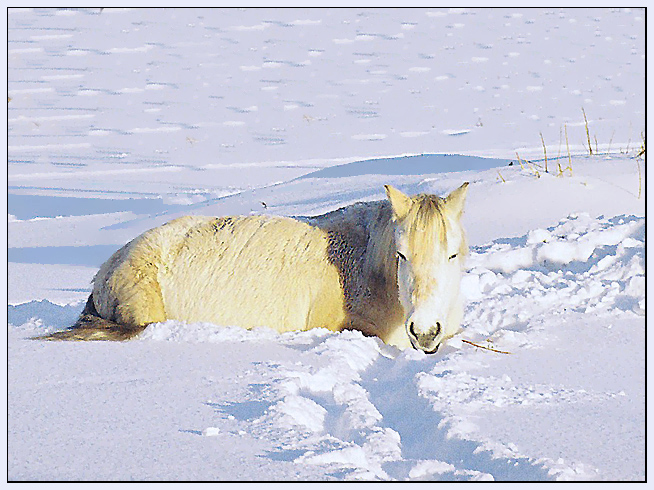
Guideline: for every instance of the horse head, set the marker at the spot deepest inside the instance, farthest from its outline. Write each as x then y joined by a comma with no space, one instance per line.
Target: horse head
430,246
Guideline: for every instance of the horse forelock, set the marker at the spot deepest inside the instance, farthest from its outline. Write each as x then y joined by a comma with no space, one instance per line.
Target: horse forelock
427,227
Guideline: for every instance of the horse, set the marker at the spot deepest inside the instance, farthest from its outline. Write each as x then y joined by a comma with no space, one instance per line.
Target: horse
389,268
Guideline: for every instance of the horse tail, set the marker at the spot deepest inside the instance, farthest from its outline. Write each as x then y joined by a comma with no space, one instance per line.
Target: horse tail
91,326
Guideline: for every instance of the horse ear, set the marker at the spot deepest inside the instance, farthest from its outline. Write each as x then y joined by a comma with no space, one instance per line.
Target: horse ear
400,202
456,199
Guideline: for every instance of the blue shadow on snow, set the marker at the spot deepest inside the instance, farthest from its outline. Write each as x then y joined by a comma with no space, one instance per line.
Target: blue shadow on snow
410,165
89,256
51,314
26,207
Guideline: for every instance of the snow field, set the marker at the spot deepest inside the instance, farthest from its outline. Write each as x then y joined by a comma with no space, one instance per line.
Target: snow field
165,90
122,119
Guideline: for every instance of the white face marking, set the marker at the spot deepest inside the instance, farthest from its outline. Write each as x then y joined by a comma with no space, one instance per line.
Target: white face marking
429,286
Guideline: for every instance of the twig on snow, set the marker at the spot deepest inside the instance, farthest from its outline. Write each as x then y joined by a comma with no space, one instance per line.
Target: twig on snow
483,347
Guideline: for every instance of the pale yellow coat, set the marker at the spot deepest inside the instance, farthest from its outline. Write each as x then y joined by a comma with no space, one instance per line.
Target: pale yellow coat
243,271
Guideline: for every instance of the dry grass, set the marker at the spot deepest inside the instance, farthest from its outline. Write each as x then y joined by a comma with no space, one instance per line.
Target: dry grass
563,130
611,141
544,151
532,168
590,147
641,151
639,155
567,145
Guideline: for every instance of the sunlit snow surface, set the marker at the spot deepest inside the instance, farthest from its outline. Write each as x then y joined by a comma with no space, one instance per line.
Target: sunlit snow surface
120,120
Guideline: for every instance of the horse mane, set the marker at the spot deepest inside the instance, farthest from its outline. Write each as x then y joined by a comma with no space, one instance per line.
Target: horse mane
382,239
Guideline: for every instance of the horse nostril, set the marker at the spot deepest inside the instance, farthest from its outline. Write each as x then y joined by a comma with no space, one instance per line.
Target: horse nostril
412,330
438,329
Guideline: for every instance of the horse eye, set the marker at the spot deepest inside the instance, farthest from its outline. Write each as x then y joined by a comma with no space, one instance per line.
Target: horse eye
401,255
453,256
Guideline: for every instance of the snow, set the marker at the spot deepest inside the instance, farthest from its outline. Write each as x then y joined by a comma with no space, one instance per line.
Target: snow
120,120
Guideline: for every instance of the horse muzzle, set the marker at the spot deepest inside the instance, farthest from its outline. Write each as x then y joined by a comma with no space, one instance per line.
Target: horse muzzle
427,341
